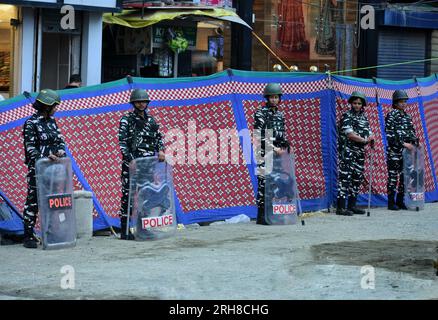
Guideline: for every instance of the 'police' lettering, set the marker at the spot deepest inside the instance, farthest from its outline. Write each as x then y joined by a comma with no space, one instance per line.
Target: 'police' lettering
157,222
60,201
284,209
417,196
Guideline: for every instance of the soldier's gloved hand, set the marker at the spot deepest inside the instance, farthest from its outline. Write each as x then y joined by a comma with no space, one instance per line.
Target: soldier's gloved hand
60,153
161,156
408,146
283,144
371,141
279,151
53,157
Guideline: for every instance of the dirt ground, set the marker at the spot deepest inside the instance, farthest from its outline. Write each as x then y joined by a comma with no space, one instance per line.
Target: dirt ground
388,255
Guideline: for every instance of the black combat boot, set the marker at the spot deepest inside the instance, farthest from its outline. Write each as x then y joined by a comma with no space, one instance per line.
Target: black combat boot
340,208
261,216
123,223
391,202
29,240
352,206
400,201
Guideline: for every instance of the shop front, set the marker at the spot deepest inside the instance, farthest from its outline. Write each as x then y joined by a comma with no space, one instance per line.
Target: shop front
7,12
164,43
37,51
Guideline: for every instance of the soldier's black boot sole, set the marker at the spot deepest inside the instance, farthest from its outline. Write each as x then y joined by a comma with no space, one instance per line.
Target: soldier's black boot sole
30,243
29,240
261,220
340,208
261,217
352,206
400,202
123,223
391,203
129,237
357,211
344,212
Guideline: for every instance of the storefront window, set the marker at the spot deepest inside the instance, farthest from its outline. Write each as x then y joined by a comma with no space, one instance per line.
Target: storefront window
149,52
7,12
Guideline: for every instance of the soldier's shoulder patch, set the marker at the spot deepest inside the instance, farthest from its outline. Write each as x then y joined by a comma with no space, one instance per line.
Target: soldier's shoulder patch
262,110
32,119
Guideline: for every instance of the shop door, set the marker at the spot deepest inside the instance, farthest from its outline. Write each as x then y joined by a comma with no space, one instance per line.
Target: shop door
60,50
55,60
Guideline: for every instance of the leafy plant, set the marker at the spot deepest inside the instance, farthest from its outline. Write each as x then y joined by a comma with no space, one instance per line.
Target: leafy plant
178,43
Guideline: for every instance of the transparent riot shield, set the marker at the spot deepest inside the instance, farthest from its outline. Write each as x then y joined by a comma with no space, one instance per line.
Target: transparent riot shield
413,171
151,195
280,189
55,202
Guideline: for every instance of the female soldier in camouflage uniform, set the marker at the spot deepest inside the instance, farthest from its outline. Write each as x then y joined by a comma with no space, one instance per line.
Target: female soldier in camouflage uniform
400,134
42,138
139,136
354,134
269,132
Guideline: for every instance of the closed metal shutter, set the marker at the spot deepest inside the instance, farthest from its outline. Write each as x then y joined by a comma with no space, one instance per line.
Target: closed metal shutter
434,52
399,46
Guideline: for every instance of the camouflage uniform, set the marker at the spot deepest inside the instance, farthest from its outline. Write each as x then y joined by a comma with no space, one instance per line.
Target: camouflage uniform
42,137
267,121
138,137
399,129
352,155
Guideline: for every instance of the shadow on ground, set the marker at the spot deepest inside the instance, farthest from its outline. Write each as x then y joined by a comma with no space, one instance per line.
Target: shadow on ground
409,256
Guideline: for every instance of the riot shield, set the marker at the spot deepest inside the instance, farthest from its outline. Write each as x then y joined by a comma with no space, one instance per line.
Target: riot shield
280,189
413,171
151,195
55,202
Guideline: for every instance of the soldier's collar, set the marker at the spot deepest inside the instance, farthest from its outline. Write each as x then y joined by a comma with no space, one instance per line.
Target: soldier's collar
272,108
138,113
362,110
42,117
398,109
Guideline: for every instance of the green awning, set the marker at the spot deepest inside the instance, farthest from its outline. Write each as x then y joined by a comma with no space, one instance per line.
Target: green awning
134,19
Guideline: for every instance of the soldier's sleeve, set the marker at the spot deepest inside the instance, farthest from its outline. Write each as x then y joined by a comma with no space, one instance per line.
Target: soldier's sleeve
123,139
390,130
280,138
346,124
59,139
259,121
414,133
30,143
370,131
159,143
283,131
258,139
264,136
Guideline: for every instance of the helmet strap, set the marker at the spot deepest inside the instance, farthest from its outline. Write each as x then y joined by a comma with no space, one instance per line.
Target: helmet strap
269,104
46,110
139,111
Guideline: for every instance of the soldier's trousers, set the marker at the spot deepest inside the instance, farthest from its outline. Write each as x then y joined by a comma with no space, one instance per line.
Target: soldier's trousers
125,190
395,172
261,199
351,169
30,211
